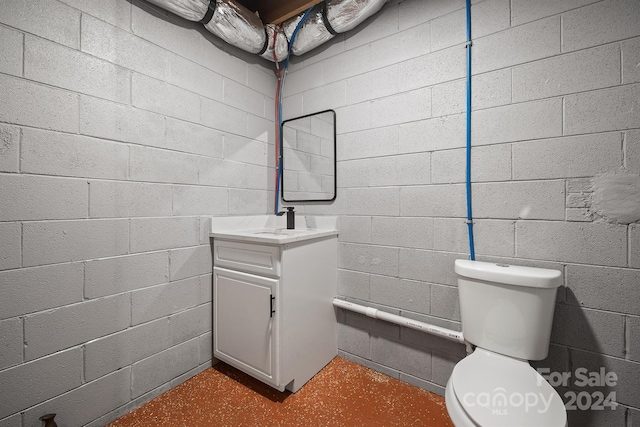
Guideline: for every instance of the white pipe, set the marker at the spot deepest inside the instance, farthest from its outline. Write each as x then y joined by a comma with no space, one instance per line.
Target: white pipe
399,320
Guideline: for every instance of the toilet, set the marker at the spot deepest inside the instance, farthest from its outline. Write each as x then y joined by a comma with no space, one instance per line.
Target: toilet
506,312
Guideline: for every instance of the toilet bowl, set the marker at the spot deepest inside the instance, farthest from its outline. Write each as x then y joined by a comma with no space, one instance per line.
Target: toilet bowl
507,313
487,389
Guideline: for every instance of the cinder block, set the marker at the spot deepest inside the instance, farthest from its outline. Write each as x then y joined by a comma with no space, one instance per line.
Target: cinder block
579,200
45,18
12,421
115,12
446,64
262,79
581,71
374,327
95,398
192,138
163,300
53,153
433,134
633,326
402,231
206,350
400,293
365,201
445,302
488,163
374,84
602,110
219,116
119,350
206,288
249,201
634,246
367,143
604,417
189,262
600,23
407,169
354,118
524,43
414,40
302,79
33,289
489,90
39,380
67,68
127,199
12,342
347,64
9,148
246,150
433,200
354,341
415,12
578,214
37,198
592,243
190,323
126,273
402,357
354,173
402,108
630,61
354,229
50,331
151,234
188,75
612,289
491,237
632,151
189,200
580,185
517,122
627,386
122,48
523,11
259,128
164,366
329,96
108,120
450,30
592,330
442,365
577,156
382,24
64,241
11,51
513,200
244,98
428,342
152,95
368,259
429,266
155,165
353,284
11,248
32,104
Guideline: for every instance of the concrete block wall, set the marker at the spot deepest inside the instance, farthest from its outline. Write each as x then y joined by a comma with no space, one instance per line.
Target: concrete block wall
122,129
555,106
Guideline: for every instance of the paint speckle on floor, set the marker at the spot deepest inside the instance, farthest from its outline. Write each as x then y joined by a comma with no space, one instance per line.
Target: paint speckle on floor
342,394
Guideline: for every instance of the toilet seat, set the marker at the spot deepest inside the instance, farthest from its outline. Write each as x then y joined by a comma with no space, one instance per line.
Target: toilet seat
499,391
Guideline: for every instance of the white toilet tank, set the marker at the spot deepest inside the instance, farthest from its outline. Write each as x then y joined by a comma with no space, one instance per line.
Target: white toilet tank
507,309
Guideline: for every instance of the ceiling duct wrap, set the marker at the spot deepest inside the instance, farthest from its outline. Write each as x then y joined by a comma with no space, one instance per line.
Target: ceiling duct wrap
239,27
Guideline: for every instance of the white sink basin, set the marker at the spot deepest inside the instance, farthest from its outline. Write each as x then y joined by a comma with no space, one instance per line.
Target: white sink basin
282,232
273,235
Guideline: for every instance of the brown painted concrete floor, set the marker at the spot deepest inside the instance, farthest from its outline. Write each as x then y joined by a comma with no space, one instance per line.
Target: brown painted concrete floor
342,394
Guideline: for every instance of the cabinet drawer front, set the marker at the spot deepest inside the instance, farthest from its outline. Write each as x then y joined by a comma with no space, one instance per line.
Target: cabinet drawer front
258,259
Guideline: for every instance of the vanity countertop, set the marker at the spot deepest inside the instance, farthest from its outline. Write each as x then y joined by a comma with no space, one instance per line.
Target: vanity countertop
268,229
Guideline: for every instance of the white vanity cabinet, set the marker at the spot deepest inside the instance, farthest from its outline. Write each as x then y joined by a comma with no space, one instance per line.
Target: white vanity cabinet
273,316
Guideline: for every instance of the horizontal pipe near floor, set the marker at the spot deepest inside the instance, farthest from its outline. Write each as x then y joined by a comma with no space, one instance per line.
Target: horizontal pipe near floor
399,320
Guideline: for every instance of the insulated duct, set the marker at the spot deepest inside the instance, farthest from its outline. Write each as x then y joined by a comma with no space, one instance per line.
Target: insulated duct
237,26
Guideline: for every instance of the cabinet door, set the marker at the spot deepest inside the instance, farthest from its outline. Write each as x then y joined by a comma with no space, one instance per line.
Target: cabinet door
245,329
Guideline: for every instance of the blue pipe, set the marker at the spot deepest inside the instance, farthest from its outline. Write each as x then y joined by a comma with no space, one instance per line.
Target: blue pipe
286,66
469,211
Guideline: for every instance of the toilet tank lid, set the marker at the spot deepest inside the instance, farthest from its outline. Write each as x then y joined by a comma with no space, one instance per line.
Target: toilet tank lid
509,274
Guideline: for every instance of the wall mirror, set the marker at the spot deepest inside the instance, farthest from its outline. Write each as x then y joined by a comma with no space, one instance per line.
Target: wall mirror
309,157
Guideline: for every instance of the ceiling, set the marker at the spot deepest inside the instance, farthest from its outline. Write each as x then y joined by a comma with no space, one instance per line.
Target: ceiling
277,11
